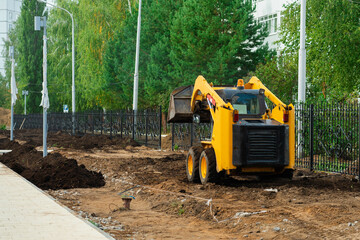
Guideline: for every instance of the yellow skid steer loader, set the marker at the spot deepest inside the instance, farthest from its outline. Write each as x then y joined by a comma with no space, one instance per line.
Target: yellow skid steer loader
247,137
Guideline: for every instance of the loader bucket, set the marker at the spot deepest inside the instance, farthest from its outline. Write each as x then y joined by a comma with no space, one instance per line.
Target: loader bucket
179,106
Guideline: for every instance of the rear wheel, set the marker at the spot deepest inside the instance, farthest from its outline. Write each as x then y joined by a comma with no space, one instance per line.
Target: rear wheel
207,166
288,173
192,164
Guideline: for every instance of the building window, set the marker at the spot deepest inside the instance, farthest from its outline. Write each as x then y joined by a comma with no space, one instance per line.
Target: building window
270,22
10,27
10,15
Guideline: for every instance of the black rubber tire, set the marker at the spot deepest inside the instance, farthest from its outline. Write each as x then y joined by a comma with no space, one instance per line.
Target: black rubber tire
194,153
210,174
288,173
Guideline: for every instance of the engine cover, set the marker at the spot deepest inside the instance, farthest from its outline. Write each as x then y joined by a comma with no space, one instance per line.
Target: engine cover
260,143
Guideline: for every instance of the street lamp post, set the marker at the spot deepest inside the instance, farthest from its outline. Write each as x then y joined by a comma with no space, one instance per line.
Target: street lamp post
14,91
302,55
25,93
302,73
136,75
41,22
73,61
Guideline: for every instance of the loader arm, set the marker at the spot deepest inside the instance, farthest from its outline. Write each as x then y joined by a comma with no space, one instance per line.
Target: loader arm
202,89
277,113
255,83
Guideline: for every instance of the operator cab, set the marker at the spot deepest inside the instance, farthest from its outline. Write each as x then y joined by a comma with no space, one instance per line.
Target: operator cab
248,102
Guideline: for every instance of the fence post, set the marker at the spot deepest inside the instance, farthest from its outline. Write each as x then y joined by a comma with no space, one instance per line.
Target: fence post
76,123
146,127
86,120
121,124
191,133
172,136
93,123
311,137
160,124
110,123
133,124
101,122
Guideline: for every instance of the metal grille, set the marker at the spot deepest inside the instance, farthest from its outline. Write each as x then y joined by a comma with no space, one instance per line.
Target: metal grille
262,144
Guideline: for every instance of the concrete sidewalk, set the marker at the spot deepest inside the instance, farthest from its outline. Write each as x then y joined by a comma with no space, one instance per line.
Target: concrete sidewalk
28,213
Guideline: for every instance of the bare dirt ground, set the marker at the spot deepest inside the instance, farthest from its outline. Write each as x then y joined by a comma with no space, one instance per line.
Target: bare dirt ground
166,206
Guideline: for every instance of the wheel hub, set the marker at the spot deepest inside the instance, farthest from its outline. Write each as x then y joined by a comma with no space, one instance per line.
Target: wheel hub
203,168
190,165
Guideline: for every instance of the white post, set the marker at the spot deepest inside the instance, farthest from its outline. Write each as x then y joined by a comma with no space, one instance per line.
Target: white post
45,86
12,92
12,124
302,55
41,22
302,72
136,76
25,93
25,105
73,105
73,74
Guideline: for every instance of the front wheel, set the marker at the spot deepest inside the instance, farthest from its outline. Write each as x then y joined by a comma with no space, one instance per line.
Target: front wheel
192,164
207,166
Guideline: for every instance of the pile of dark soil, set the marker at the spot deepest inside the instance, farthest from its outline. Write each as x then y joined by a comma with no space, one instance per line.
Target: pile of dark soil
65,140
52,172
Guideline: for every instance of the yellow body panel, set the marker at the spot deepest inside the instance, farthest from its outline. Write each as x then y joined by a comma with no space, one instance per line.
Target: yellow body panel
222,114
222,138
291,124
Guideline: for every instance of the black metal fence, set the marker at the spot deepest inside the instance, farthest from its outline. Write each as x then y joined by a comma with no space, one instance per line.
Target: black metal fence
185,135
327,137
144,126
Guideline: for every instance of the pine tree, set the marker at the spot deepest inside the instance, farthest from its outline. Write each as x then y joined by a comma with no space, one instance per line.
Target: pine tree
217,39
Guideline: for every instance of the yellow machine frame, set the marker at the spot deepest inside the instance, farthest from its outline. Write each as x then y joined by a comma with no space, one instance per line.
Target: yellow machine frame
222,139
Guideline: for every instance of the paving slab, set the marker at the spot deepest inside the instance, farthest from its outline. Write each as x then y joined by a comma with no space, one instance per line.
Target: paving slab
26,212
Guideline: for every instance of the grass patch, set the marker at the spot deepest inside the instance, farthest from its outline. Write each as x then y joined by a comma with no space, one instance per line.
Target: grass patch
179,207
332,166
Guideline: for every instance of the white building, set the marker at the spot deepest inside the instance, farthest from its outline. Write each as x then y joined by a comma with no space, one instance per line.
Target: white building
269,12
9,12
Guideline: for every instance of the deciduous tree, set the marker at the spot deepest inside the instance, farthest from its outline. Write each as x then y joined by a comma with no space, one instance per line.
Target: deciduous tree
333,66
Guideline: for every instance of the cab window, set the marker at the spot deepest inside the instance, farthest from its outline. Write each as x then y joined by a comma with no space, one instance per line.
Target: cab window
246,103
